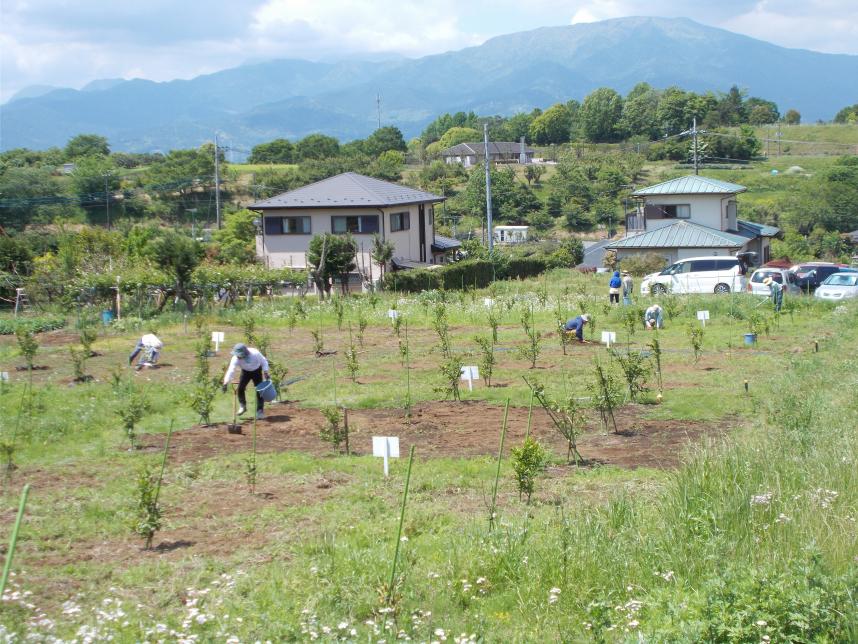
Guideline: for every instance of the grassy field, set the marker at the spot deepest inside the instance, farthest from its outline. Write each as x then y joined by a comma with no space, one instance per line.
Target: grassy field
719,514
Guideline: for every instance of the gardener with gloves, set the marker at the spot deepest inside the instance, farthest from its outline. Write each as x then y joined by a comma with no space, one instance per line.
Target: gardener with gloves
614,288
577,325
151,347
254,366
776,292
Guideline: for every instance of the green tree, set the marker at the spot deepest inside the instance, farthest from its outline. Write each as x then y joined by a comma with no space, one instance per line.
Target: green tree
382,252
384,139
441,124
552,126
331,256
761,111
640,111
387,166
511,199
26,193
600,115
792,117
317,146
177,255
86,145
237,238
454,136
94,180
276,151
848,114
270,181
671,115
175,179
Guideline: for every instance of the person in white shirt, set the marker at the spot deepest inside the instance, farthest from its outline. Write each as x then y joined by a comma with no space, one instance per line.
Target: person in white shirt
254,366
150,347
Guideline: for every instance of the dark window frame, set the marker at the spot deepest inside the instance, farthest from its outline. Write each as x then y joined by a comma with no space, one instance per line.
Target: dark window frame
277,225
404,217
360,225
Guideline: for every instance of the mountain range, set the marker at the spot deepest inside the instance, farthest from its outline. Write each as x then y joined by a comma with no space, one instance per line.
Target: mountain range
291,98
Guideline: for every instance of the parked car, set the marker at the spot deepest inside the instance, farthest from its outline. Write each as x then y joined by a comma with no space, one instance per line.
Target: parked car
839,286
780,275
801,270
716,274
811,280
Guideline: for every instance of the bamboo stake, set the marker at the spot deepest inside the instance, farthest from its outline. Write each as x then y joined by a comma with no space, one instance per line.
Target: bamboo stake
164,461
401,521
529,415
14,540
407,374
497,472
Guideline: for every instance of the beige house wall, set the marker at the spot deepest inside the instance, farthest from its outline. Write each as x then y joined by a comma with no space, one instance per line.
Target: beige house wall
706,210
290,251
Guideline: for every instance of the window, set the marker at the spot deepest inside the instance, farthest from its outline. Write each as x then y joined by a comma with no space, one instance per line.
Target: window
287,226
726,264
703,265
400,221
679,211
357,225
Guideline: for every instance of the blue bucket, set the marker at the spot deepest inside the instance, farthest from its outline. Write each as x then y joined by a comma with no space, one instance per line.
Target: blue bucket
751,338
106,317
266,390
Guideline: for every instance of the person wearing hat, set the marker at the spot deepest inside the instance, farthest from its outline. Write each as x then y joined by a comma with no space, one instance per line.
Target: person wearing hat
628,288
150,347
254,366
777,293
577,325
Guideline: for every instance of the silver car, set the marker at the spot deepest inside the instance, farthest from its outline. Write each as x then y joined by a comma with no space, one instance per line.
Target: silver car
782,276
838,287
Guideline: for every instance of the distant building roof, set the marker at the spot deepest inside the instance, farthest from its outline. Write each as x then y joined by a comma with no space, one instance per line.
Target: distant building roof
681,234
495,147
347,190
443,244
690,185
756,230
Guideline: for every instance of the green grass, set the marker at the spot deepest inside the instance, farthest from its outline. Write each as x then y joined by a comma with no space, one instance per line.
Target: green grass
749,530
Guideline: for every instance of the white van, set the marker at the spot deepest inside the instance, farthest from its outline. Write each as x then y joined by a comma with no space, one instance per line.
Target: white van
716,274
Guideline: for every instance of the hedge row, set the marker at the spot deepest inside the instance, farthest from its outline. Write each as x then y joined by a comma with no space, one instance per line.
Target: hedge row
8,326
472,273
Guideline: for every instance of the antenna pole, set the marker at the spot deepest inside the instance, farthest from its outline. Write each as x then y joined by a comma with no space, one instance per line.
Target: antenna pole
488,190
378,107
694,132
217,184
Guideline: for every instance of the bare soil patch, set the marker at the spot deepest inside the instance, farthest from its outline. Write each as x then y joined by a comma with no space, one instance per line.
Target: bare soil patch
446,429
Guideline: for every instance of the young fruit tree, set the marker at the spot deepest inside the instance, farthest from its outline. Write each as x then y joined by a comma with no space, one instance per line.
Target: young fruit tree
527,462
487,357
606,395
204,387
27,345
133,406
531,350
567,415
635,368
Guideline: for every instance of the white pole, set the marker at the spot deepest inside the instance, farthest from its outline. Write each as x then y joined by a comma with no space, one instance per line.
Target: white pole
488,190
217,184
386,457
470,381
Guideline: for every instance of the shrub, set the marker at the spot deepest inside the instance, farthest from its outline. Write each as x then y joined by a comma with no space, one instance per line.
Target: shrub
335,432
36,325
131,411
27,345
487,357
147,512
527,462
643,264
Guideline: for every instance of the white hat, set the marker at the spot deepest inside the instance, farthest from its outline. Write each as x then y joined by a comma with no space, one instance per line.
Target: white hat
585,317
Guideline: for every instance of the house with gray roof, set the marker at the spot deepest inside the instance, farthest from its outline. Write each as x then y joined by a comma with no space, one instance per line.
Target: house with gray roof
469,154
358,205
691,216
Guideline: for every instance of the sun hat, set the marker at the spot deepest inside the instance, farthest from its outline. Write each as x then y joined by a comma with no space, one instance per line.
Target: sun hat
585,317
767,281
240,350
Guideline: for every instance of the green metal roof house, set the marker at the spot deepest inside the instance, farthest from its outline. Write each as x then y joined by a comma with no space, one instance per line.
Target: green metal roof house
691,216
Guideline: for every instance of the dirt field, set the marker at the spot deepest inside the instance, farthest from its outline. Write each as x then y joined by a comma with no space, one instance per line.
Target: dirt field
446,429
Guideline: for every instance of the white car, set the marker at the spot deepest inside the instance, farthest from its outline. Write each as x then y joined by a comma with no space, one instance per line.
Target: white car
780,275
716,274
838,287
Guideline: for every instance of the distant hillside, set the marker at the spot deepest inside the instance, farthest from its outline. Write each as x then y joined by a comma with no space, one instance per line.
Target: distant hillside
292,98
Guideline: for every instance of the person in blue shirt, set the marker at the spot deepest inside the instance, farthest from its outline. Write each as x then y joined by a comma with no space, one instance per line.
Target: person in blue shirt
577,325
614,288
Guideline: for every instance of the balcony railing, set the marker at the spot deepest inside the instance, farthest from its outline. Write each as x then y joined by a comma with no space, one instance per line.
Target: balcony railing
635,223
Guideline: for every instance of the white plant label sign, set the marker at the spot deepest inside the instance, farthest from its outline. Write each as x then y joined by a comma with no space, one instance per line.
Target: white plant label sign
609,338
217,338
470,374
385,447
393,314
4,376
488,301
703,316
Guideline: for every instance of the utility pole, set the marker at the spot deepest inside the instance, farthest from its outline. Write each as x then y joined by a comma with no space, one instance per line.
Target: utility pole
217,184
694,133
779,140
488,190
378,108
107,199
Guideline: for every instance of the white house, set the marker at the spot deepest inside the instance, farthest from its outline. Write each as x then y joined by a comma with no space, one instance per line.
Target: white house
691,216
469,154
510,234
356,204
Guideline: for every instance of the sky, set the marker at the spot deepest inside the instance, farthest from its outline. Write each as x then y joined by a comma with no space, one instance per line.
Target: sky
69,43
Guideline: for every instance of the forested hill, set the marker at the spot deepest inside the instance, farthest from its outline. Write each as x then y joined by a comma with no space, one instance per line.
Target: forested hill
507,74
